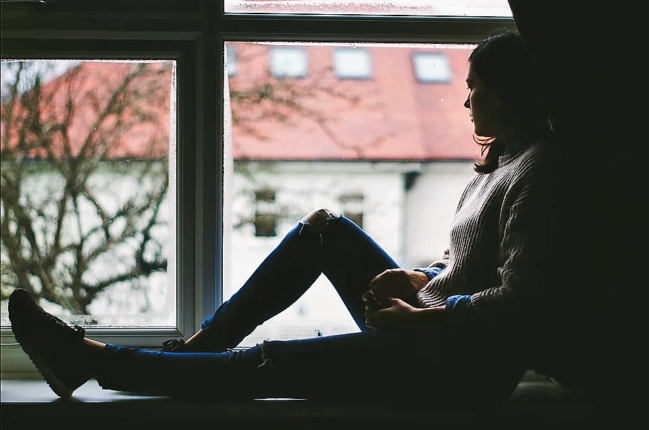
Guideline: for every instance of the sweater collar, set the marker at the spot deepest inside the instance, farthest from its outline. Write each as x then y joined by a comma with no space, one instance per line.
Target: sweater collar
516,144
514,148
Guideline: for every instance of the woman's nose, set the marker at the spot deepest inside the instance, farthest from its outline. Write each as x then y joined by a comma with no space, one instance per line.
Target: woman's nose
467,104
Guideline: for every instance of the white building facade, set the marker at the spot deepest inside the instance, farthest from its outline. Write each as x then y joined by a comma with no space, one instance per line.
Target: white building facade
405,207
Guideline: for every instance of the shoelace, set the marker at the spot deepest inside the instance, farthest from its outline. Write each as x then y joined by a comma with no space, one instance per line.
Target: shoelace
172,344
80,330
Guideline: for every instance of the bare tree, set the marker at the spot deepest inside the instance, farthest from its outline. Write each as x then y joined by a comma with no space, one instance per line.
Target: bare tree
85,169
67,233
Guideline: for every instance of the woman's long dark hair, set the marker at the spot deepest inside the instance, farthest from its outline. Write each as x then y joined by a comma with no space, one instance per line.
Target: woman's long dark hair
505,66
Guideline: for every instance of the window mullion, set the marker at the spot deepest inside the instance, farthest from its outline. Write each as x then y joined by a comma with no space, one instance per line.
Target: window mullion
209,176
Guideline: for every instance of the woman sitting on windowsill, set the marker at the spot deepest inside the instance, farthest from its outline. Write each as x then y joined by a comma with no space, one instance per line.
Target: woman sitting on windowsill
458,331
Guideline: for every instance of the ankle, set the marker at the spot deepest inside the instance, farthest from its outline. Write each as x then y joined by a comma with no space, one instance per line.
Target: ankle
96,358
93,345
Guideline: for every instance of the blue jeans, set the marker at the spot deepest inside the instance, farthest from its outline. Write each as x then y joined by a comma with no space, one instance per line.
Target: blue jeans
347,256
367,366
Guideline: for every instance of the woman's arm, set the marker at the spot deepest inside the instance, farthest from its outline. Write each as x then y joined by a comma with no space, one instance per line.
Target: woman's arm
525,249
401,283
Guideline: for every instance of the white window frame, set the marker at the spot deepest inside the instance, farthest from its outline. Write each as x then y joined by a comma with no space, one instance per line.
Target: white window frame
195,39
196,229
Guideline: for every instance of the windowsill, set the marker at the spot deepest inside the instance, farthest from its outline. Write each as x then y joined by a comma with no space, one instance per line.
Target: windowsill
27,402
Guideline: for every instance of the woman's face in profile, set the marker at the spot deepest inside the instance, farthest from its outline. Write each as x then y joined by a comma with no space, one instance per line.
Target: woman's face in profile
483,106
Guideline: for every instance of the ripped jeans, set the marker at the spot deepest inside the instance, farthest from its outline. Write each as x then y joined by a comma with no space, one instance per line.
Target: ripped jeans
367,366
343,252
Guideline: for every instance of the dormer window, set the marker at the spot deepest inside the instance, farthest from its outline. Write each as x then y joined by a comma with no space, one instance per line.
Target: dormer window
352,63
231,59
431,67
288,62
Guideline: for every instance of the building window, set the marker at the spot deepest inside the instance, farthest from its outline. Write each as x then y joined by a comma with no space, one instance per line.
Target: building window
288,62
352,207
431,67
231,59
265,213
352,63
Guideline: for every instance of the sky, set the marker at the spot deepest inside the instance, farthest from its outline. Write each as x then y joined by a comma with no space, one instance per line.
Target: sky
49,69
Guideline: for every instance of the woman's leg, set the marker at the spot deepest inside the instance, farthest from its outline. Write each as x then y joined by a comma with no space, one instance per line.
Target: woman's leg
350,260
301,368
364,367
405,369
368,366
361,367
322,242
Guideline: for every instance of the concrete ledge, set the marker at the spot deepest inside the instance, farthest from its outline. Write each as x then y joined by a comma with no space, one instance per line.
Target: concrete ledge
32,404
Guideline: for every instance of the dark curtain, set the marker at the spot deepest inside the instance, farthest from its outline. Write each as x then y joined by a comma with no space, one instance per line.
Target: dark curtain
593,56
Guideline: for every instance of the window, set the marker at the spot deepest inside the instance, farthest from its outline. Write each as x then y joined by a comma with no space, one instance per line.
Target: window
99,172
288,62
231,59
271,116
352,207
86,187
431,67
352,63
265,216
322,141
375,7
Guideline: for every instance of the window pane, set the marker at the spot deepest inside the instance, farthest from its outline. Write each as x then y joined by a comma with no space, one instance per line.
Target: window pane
431,67
288,62
374,7
390,152
352,63
231,60
88,190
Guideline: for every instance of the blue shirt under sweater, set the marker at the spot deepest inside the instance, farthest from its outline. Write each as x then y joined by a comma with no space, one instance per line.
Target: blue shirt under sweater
454,304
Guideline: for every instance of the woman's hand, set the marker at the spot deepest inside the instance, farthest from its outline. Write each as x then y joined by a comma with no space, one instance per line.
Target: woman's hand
395,314
396,284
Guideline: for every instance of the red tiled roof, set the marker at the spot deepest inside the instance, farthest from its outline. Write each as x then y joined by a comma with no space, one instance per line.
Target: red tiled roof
397,117
87,89
394,118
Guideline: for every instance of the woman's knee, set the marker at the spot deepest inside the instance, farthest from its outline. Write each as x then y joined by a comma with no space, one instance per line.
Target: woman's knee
319,218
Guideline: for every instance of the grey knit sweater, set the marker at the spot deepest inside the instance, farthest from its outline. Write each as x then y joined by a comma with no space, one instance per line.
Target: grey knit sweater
499,236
